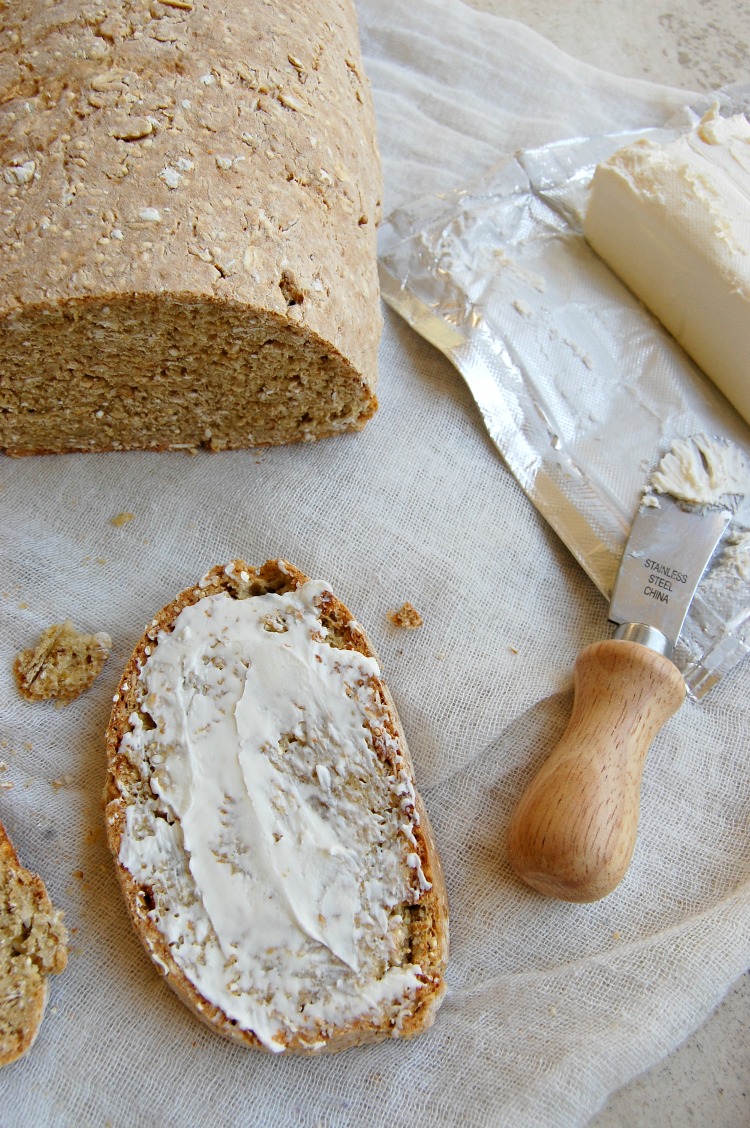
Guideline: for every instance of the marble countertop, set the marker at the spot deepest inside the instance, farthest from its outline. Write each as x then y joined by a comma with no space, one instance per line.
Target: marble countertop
699,45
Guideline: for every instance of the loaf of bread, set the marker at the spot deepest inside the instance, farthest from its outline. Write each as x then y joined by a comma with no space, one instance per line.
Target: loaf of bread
276,860
190,195
33,945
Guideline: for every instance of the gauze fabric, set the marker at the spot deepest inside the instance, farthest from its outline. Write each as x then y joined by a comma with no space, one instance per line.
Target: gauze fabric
550,1006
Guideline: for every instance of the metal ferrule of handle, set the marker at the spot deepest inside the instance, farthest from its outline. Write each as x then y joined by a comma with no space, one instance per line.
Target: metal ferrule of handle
646,636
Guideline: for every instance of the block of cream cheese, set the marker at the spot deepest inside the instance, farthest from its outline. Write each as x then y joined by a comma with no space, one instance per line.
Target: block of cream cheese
673,222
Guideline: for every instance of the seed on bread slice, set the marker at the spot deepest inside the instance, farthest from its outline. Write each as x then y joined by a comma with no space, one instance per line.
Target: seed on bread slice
33,945
276,860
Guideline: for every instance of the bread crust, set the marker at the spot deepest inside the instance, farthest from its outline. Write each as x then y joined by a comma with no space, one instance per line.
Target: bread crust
428,917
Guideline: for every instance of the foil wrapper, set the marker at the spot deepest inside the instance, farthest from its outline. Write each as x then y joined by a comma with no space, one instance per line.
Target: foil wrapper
581,389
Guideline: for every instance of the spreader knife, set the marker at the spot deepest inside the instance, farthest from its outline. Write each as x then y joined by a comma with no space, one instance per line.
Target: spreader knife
574,830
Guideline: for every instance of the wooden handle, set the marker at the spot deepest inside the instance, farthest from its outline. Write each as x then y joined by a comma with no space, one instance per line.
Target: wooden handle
573,832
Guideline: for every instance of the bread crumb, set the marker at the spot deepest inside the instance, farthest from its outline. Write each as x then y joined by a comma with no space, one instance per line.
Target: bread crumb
407,617
122,519
63,663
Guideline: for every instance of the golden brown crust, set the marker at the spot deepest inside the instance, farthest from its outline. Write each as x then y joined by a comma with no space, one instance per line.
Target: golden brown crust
428,916
33,945
190,199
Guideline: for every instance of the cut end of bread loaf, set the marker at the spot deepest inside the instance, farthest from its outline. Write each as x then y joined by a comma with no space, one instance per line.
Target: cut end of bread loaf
138,374
300,905
33,945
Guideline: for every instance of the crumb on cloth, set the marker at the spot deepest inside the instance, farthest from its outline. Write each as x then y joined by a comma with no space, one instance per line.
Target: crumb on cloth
63,663
407,616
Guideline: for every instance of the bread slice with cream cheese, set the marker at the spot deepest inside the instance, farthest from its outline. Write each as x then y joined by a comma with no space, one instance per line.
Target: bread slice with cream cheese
275,858
33,946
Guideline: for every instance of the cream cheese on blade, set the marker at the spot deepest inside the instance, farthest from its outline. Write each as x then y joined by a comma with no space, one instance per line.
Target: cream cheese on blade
701,470
737,553
276,842
673,222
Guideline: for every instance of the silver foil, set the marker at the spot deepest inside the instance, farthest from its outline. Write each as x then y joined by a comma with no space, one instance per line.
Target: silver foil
580,388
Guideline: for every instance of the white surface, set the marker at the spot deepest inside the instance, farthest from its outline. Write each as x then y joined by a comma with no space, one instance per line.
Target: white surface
700,44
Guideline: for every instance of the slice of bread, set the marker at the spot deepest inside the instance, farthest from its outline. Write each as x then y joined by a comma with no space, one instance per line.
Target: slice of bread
276,860
33,945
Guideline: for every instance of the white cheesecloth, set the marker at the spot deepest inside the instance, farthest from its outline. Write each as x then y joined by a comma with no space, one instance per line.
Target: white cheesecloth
550,1006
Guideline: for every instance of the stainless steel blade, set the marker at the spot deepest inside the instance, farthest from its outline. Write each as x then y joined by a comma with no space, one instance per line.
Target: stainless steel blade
666,554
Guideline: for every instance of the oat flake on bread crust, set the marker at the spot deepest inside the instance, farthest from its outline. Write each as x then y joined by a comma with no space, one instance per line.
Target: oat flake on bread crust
276,860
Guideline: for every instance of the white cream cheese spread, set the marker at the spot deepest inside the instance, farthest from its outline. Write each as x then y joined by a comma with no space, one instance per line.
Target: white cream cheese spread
277,844
702,470
673,221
